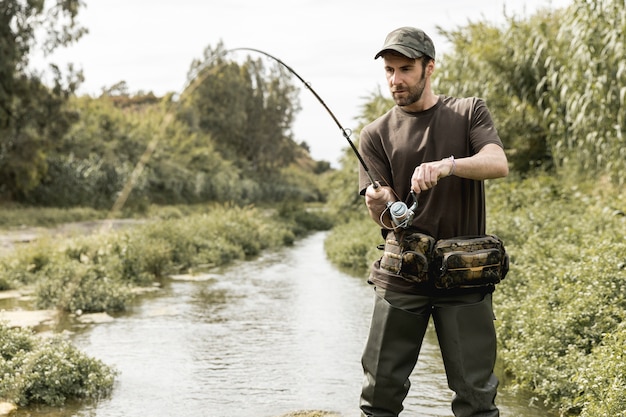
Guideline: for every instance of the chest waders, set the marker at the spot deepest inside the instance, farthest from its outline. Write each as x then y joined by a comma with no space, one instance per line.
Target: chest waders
467,339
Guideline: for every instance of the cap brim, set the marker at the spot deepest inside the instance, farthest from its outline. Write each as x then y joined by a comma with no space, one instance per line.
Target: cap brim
408,52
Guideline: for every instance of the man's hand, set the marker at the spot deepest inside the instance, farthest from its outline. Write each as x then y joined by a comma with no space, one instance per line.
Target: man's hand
376,200
427,175
490,162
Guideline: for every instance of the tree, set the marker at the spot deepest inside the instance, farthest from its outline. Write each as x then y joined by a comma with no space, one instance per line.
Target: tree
32,114
590,129
247,109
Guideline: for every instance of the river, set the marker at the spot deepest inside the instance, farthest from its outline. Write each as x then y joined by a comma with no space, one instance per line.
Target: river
262,338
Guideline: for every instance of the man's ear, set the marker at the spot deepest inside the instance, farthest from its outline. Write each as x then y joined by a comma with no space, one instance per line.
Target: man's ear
430,68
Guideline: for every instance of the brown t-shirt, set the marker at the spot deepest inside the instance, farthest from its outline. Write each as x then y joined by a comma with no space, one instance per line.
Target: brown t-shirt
396,143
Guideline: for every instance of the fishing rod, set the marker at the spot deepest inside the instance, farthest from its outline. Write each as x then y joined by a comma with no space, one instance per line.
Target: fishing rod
401,214
345,132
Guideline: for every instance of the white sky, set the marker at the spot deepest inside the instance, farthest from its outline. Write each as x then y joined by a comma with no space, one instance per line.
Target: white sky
150,44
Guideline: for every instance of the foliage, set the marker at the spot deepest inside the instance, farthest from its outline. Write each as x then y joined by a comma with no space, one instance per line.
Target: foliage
226,138
96,160
589,135
566,290
248,109
32,115
98,272
80,285
604,383
48,371
150,150
92,161
304,219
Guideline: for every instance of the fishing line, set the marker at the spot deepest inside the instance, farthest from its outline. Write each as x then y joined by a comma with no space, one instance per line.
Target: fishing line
345,132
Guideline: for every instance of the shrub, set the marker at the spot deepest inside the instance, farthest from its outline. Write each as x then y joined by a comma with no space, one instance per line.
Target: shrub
48,371
603,383
78,286
97,272
566,289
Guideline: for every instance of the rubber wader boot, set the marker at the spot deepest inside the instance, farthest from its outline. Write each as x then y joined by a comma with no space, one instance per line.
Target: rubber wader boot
390,355
467,339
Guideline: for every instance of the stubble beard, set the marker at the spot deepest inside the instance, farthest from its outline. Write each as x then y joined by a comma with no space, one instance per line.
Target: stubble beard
414,94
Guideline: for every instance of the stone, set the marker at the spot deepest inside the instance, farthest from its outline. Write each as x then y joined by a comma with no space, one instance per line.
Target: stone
7,408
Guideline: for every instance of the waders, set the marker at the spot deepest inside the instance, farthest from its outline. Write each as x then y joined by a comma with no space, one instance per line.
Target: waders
467,339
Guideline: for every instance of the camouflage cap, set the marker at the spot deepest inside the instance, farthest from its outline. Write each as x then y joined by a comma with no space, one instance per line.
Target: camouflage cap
410,42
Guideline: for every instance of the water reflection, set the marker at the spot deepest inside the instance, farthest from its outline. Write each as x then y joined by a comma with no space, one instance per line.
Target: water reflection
264,338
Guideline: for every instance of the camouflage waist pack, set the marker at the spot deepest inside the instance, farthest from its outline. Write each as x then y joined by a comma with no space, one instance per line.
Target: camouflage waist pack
408,255
466,262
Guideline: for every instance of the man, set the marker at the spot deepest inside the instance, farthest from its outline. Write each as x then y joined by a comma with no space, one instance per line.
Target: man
437,150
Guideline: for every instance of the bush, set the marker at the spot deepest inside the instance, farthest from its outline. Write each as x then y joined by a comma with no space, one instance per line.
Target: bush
81,286
566,289
604,382
97,273
48,371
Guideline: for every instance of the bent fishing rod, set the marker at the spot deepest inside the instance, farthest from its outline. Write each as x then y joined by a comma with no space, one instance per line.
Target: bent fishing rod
400,213
345,132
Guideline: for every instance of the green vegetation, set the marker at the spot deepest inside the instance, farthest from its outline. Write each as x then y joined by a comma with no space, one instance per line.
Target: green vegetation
98,272
562,309
49,371
227,137
33,115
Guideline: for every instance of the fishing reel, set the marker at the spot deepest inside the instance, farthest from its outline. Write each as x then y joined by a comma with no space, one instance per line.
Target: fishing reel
401,214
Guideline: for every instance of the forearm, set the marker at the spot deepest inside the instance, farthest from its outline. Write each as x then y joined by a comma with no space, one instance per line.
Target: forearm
490,162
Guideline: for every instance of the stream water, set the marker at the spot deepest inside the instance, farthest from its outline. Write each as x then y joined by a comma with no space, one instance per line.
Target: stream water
263,338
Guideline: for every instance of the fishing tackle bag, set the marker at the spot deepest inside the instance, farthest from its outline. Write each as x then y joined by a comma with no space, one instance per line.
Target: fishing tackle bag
408,255
466,262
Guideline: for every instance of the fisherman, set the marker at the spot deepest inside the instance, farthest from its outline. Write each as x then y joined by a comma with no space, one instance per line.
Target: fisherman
438,149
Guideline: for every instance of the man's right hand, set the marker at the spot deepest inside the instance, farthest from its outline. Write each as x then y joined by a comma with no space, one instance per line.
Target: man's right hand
376,200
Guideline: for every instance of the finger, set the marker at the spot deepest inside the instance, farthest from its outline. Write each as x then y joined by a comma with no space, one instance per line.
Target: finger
432,177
